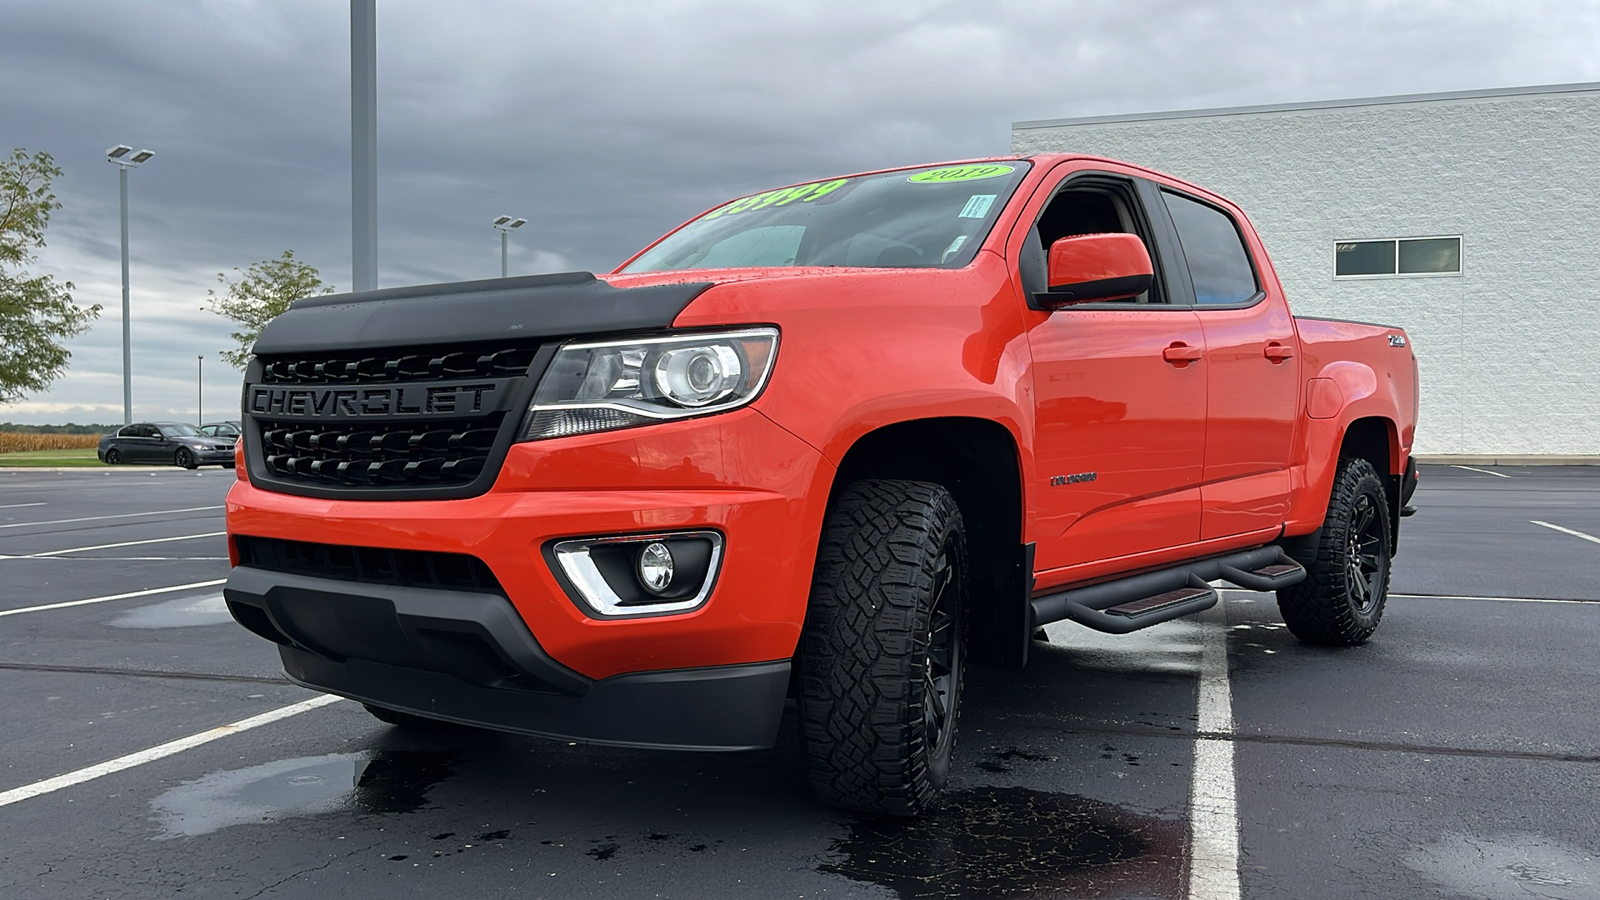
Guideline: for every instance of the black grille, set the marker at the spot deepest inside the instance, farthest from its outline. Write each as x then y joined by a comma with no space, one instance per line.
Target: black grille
369,565
424,364
408,421
362,454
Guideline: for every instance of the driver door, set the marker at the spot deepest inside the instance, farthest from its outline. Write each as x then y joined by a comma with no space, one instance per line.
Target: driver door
1119,393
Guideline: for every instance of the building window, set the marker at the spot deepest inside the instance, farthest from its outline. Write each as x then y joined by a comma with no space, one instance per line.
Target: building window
1393,257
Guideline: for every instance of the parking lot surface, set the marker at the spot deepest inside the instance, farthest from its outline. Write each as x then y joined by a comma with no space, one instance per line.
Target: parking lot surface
1455,755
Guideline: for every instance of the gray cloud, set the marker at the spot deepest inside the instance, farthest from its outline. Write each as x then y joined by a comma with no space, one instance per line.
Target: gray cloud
606,124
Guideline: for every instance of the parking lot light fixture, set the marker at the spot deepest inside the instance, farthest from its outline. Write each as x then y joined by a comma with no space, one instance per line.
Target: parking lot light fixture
118,155
505,225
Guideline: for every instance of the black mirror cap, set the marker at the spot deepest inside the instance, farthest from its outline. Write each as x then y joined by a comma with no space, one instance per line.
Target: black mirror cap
1091,291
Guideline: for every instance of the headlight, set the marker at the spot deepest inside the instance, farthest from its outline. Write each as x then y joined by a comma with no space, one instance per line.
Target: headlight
598,386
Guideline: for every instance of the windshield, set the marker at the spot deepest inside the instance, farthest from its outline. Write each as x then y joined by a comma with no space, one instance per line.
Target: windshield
917,218
180,430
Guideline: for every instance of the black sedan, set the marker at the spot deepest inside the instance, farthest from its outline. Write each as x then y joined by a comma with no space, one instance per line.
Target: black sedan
172,443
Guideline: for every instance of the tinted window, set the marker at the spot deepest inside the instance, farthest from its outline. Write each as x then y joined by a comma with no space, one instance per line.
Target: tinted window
1218,264
1363,258
1430,256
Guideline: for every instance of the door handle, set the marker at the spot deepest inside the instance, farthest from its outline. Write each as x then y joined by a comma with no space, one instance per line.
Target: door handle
1277,352
1180,353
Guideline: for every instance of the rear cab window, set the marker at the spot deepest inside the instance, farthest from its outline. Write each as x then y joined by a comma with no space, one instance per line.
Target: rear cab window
1219,265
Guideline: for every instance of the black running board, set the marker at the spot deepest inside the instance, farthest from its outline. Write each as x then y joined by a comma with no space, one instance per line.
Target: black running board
1139,601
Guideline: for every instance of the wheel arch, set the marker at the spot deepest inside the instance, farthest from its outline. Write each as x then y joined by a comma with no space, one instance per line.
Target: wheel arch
979,462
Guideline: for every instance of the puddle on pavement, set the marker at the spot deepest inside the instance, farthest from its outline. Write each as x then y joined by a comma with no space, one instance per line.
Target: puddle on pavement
388,781
181,613
1011,841
1509,866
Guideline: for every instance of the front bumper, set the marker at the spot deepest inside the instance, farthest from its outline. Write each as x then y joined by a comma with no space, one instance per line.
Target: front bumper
467,657
530,658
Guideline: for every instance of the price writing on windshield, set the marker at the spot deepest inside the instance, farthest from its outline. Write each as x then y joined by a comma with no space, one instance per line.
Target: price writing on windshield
804,193
949,174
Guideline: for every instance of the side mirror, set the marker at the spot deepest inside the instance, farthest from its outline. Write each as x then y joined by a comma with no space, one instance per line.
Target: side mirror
1088,267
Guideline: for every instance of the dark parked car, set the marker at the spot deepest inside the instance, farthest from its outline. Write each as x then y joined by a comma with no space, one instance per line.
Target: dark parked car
228,431
172,443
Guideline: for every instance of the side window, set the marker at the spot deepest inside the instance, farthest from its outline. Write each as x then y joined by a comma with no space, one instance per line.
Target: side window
1218,264
1086,206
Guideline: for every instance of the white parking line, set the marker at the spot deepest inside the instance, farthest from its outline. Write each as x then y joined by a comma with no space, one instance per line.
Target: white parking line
19,506
128,596
165,540
161,751
1213,794
155,512
1482,471
1587,537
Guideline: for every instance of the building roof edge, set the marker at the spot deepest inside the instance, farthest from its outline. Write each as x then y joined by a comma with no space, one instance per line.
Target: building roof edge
1395,100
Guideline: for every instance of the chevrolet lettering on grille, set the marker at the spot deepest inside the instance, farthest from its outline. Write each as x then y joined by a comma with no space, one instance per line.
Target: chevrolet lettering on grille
387,401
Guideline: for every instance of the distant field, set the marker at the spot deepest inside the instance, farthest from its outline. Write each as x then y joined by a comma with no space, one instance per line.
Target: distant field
17,442
84,456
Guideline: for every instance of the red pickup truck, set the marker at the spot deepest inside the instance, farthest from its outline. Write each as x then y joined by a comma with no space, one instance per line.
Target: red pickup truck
832,442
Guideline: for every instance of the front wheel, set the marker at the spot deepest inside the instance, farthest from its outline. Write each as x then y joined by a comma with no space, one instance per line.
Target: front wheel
184,458
884,646
1341,599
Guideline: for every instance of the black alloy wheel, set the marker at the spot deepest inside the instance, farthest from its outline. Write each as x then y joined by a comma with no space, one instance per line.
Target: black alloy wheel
113,457
184,458
1365,554
941,680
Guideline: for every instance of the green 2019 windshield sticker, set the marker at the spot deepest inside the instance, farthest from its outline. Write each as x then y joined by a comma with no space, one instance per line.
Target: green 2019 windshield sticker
804,193
949,174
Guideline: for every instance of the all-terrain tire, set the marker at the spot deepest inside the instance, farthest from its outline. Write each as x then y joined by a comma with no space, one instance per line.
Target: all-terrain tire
407,720
184,458
884,647
1341,600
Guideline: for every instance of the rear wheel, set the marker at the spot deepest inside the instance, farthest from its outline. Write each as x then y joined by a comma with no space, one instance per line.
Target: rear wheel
1341,600
184,458
884,646
113,457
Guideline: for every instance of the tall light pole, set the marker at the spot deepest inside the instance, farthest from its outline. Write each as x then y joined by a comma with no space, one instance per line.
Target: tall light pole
505,225
364,145
118,155
200,390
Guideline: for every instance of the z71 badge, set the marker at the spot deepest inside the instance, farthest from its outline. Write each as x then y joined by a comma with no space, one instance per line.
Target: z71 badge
1397,340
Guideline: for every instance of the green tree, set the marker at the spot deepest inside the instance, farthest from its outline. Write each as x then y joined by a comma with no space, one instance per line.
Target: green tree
36,312
262,293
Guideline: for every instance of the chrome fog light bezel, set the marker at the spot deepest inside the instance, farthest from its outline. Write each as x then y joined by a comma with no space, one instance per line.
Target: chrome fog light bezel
583,580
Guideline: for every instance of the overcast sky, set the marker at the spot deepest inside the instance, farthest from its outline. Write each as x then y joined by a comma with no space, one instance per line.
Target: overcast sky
604,124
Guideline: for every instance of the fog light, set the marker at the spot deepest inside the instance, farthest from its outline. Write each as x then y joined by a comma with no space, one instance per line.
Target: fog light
655,567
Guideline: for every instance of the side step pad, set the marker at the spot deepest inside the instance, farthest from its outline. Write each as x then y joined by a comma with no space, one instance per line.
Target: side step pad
1279,573
1133,609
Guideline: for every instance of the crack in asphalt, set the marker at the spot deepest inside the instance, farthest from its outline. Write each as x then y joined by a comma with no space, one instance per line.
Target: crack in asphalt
144,673
293,875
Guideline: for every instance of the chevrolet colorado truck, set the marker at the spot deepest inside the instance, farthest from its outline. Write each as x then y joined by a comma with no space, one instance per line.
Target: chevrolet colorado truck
831,442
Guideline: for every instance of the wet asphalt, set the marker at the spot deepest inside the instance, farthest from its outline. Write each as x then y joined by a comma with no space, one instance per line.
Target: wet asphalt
1455,755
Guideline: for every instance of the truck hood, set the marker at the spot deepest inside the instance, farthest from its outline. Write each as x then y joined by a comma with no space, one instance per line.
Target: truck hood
570,303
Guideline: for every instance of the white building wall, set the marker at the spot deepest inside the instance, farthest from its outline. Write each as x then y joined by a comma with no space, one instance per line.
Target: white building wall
1509,351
